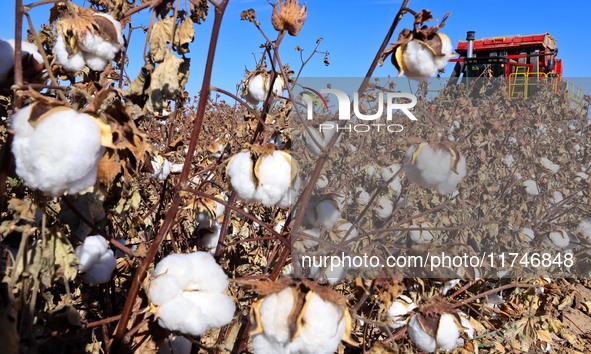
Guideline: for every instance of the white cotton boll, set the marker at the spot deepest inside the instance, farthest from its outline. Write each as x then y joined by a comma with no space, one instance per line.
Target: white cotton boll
421,236
399,310
210,240
512,141
447,332
175,345
531,187
161,167
371,171
344,228
466,325
559,239
387,173
71,63
322,329
325,214
433,168
361,196
384,207
258,87
528,234
549,165
241,176
419,337
448,285
557,197
60,154
91,251
418,61
274,177
317,141
164,288
322,182
508,160
96,259
584,228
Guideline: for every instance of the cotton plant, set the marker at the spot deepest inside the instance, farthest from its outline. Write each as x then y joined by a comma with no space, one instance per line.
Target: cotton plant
187,294
316,327
97,260
435,165
56,151
272,179
87,38
257,84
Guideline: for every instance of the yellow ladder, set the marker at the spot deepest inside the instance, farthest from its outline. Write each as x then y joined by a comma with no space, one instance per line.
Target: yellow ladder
518,82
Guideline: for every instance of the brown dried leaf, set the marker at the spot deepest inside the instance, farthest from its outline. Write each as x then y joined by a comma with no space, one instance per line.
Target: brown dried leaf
199,9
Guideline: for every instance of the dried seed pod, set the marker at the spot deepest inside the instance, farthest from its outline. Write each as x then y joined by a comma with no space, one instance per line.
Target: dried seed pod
289,16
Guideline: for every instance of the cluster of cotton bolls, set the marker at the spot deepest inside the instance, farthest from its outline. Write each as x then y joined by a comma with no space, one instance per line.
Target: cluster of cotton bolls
187,292
320,326
257,84
92,48
7,58
272,179
57,151
96,259
435,166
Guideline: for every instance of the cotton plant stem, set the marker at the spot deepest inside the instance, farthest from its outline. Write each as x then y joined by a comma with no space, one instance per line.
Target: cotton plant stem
170,217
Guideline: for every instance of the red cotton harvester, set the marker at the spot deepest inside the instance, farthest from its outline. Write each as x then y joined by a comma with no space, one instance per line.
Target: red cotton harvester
524,61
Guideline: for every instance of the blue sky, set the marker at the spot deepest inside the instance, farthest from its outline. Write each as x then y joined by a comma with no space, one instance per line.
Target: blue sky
353,30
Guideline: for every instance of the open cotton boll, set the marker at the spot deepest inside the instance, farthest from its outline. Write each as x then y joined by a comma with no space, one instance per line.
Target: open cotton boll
258,87
322,329
528,234
384,207
395,184
324,214
361,196
210,239
60,154
73,62
549,165
274,311
316,141
400,308
559,239
508,160
274,176
161,167
418,61
584,228
189,292
448,332
531,187
241,175
96,259
423,340
421,236
433,167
